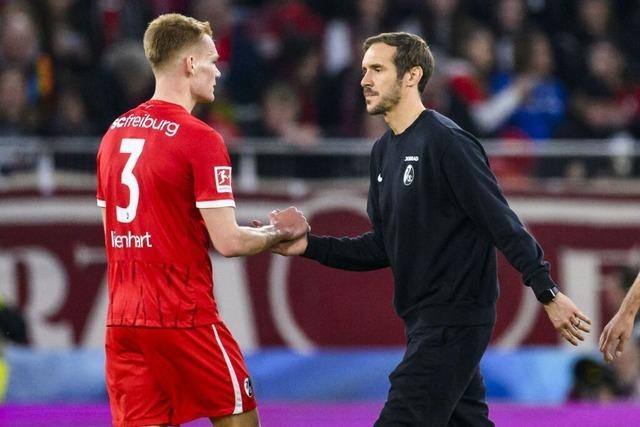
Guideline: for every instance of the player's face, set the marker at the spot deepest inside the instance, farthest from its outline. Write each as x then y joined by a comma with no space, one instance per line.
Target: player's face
380,84
205,71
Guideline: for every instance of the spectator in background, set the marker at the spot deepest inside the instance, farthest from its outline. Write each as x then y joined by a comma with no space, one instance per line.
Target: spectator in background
17,117
604,106
70,46
469,78
593,382
342,105
124,81
592,20
301,68
70,116
543,110
20,50
115,21
281,117
436,21
279,21
510,24
607,67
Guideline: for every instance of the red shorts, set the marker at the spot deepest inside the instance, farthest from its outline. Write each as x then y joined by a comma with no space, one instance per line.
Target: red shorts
172,376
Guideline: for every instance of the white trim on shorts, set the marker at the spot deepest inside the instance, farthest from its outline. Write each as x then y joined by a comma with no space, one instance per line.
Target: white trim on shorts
232,373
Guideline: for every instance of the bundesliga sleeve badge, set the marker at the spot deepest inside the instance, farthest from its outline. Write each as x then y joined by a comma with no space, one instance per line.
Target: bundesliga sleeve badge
223,178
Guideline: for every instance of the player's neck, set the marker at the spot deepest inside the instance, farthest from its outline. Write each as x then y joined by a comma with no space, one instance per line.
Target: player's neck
172,90
404,113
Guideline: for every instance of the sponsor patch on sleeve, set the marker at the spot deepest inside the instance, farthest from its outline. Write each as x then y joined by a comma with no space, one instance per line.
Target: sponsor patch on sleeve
223,178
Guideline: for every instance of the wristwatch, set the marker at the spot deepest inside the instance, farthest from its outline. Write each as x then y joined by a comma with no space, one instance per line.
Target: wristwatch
547,295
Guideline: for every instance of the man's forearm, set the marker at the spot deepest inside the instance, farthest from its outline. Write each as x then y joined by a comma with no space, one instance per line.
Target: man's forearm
251,240
363,253
631,302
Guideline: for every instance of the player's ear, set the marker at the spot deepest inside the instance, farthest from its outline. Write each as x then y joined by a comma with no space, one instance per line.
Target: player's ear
414,75
189,65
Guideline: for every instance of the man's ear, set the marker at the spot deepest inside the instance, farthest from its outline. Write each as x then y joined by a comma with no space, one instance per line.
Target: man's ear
189,65
414,76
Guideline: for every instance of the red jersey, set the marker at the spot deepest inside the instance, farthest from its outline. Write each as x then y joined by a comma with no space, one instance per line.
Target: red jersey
157,164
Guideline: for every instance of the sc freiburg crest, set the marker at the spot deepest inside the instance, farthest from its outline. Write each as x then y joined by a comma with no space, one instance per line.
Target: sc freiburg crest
409,174
248,387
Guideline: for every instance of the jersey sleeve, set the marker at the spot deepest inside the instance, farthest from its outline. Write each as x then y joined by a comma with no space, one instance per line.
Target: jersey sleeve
100,200
212,172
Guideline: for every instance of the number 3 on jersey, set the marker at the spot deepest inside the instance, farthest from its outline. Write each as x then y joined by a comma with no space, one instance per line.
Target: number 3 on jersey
132,146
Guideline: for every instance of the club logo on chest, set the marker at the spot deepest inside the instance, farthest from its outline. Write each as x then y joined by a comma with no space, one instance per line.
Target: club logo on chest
409,174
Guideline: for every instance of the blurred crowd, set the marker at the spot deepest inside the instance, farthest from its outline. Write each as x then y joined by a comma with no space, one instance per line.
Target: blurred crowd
526,70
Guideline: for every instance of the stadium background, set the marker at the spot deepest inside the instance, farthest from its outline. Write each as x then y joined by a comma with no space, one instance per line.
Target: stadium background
551,87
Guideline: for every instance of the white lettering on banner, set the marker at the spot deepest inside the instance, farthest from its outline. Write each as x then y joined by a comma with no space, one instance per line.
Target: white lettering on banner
130,240
46,278
93,330
523,322
281,309
47,284
146,122
580,281
233,298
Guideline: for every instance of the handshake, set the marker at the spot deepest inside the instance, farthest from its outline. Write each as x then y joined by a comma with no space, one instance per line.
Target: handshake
290,227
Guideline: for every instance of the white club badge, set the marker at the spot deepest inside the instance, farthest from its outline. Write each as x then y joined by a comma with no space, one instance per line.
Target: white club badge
409,175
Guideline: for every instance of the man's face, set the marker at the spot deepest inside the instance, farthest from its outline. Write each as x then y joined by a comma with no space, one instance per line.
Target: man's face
381,87
205,71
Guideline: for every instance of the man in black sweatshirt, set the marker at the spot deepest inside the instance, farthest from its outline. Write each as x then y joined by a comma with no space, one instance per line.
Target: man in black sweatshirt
437,214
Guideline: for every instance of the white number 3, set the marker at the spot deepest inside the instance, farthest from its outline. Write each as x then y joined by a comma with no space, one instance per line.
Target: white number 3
132,146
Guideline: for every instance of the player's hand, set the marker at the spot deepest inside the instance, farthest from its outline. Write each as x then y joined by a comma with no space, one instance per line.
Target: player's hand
615,335
290,223
567,319
291,247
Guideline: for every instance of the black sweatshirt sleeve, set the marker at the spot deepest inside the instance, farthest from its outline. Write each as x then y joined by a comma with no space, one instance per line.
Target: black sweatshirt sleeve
466,170
362,253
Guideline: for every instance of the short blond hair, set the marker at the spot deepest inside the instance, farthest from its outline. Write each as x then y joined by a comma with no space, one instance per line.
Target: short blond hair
168,34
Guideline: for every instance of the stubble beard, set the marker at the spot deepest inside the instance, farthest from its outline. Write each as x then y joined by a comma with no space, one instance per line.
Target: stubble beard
387,102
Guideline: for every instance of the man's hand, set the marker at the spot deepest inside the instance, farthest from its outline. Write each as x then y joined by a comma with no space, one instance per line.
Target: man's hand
615,335
290,223
288,247
567,319
291,247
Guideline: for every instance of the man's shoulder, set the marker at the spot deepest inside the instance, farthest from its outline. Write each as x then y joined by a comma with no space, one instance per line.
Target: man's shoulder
438,121
445,127
380,143
446,134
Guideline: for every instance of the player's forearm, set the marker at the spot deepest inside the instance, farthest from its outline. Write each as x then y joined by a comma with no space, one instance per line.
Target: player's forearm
631,302
249,241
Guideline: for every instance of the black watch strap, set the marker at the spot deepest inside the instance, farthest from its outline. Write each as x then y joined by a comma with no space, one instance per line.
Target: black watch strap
547,295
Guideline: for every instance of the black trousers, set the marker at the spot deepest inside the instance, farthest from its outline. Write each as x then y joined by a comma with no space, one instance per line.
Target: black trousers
438,382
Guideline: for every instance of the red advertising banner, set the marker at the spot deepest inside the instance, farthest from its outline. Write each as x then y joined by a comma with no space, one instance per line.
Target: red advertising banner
52,265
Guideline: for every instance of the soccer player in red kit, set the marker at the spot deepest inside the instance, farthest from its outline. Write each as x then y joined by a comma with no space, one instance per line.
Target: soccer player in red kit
165,188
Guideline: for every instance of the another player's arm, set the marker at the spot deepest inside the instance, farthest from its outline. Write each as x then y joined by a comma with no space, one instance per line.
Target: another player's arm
362,253
620,327
231,239
475,188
